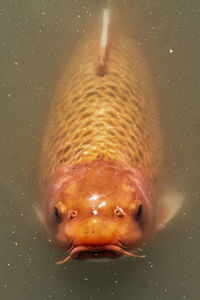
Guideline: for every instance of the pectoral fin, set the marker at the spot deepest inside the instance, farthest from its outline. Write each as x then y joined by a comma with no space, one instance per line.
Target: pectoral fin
171,202
41,217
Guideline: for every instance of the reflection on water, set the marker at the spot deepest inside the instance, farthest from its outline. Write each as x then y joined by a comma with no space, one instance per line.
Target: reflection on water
36,37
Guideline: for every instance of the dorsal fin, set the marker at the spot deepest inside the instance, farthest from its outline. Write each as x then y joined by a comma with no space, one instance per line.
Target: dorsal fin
101,61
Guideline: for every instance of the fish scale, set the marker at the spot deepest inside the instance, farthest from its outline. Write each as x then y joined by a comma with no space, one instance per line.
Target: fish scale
109,117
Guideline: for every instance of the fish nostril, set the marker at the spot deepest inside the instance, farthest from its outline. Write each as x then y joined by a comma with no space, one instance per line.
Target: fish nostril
119,212
72,214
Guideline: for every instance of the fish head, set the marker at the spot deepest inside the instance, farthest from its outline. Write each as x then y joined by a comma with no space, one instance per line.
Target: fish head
101,212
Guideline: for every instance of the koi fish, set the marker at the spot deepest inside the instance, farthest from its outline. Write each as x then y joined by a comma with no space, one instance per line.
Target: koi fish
101,156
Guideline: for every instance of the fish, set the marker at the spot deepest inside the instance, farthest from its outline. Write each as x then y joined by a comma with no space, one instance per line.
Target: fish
102,153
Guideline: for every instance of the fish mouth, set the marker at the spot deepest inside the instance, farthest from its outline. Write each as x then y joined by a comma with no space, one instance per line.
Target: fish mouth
97,252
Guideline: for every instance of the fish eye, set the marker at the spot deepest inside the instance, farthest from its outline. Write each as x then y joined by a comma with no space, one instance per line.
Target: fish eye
72,214
119,212
139,212
59,210
56,212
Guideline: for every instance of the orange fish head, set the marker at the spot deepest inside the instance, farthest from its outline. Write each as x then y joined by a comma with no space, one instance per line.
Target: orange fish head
101,212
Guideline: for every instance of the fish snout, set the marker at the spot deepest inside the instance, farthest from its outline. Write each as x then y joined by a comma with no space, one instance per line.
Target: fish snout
95,238
96,230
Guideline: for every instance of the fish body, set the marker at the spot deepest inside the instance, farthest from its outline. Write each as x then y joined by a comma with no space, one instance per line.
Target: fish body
102,156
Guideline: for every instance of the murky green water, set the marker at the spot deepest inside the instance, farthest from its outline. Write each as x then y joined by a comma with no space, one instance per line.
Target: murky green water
36,37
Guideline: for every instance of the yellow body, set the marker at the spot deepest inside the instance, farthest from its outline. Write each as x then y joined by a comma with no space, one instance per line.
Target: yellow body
110,116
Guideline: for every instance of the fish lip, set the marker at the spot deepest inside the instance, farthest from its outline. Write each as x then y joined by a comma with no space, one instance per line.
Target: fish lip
83,252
